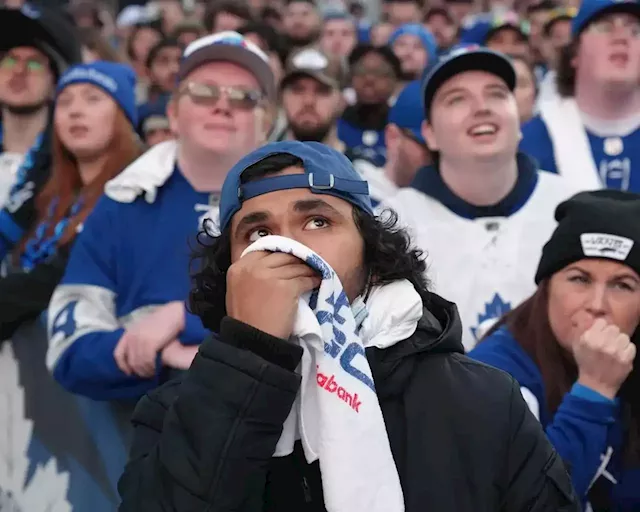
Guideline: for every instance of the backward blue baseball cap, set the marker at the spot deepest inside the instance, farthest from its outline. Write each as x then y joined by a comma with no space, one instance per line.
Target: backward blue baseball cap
592,9
407,112
326,171
479,28
415,29
117,80
465,58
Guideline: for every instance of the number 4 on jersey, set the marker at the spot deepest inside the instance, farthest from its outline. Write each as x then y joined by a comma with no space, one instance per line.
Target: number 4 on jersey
65,322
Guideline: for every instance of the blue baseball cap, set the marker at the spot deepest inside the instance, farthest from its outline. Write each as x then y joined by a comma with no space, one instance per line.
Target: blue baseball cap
461,59
415,29
406,112
480,28
326,171
592,9
117,80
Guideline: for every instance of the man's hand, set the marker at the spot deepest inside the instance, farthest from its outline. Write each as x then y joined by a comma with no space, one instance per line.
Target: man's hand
137,350
604,357
263,289
179,356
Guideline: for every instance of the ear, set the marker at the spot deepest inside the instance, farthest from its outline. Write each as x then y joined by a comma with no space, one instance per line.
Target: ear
429,136
391,136
574,59
264,122
172,115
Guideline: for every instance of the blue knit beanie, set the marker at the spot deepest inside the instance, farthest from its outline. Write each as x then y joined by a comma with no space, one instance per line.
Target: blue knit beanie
426,37
117,80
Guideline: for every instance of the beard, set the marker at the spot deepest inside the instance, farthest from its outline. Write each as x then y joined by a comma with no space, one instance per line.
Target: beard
26,110
303,40
316,133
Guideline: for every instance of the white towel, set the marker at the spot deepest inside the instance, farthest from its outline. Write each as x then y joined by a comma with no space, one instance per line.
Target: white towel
145,175
571,147
337,415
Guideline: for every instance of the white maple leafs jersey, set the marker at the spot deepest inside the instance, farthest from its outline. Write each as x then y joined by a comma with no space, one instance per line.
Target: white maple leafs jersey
486,264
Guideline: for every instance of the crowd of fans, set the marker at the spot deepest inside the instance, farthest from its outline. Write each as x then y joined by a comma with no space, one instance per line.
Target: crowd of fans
502,136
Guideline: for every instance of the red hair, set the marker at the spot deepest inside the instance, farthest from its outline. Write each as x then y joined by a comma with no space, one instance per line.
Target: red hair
65,184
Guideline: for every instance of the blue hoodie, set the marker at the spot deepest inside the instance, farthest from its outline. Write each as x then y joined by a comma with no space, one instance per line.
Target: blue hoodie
584,430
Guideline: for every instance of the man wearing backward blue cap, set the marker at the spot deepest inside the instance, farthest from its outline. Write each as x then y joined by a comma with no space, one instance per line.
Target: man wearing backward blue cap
335,380
590,132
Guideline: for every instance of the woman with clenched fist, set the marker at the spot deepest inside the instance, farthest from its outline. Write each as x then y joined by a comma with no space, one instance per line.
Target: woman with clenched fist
572,346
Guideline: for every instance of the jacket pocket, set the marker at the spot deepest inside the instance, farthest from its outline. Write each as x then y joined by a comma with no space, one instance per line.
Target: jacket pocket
557,494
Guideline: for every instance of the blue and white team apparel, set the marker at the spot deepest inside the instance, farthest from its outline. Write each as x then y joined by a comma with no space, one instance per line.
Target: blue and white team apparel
482,258
131,257
585,430
591,153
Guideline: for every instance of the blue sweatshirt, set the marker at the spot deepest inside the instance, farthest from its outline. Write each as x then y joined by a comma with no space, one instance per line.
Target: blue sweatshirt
129,258
585,427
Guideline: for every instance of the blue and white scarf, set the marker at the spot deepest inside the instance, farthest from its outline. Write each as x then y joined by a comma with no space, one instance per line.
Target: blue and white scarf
337,415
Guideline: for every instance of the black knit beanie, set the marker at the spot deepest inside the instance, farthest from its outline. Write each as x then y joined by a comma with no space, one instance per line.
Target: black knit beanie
600,224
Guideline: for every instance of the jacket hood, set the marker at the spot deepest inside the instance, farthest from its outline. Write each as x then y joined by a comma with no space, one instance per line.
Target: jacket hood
145,175
439,332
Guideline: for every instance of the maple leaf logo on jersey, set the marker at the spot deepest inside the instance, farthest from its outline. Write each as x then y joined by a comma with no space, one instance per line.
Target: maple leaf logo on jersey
47,487
492,311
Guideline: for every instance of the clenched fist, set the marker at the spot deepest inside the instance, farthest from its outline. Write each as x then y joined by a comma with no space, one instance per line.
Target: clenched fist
263,289
604,357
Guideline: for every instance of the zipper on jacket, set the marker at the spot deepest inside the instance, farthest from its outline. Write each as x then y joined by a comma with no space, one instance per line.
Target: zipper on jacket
306,489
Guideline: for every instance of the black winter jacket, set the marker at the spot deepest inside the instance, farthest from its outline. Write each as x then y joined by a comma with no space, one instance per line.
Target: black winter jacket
462,436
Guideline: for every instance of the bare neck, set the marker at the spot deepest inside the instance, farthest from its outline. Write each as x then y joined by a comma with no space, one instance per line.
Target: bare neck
204,171
607,103
19,131
90,168
480,183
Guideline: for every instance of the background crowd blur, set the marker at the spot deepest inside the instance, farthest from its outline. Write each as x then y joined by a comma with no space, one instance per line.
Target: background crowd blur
88,86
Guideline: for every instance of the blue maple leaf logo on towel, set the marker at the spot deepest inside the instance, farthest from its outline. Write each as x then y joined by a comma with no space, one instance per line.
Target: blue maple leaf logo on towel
492,311
316,262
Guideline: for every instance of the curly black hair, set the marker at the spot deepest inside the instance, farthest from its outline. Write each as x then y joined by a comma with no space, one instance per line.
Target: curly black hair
388,253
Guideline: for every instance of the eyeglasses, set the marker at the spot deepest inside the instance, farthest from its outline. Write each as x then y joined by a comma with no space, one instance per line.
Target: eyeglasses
32,65
609,26
209,94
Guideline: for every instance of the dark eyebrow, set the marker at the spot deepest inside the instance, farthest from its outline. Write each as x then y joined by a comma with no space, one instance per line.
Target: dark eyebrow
251,219
625,275
310,205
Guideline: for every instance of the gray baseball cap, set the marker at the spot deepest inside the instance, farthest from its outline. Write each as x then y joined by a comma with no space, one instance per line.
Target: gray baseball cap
230,46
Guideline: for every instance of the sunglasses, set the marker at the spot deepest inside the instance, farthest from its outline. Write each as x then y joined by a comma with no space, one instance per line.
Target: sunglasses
31,65
209,94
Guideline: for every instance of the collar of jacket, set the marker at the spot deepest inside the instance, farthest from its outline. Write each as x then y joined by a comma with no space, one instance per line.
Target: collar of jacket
145,175
439,332
429,181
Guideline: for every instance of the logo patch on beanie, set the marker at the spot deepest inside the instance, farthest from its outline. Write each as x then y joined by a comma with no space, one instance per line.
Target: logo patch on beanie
601,245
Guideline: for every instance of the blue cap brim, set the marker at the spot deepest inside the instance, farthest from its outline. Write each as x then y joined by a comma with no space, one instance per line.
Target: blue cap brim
579,23
482,60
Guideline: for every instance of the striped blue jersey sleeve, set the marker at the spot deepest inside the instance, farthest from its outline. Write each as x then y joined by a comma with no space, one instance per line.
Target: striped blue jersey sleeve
83,323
